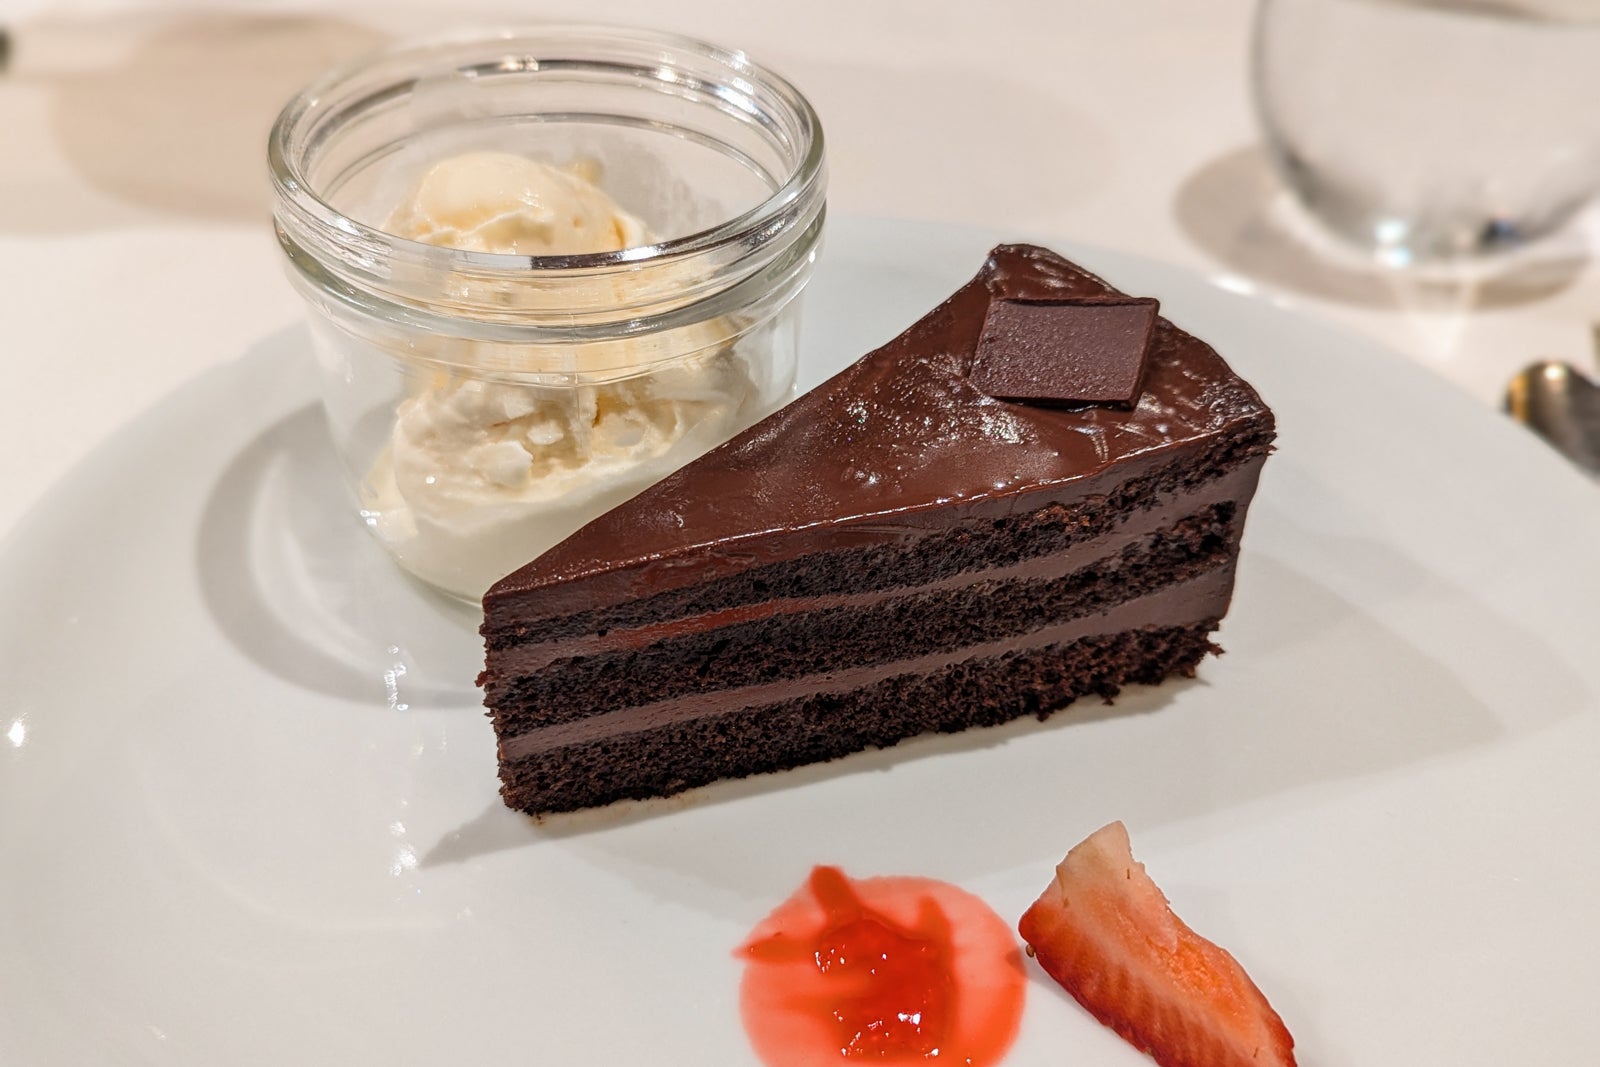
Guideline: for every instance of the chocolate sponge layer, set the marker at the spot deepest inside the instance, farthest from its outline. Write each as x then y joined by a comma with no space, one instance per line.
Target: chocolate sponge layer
859,630
825,726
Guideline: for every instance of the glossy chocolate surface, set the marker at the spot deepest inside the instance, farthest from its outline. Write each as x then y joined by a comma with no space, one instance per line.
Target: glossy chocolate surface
898,443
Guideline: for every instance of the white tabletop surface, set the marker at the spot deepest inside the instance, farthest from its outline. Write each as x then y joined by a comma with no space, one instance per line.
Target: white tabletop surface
136,252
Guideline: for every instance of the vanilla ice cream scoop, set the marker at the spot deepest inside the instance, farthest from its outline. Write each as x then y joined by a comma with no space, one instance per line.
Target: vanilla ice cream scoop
483,469
505,203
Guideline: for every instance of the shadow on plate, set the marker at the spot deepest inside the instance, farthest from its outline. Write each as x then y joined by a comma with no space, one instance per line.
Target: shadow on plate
1242,215
498,829
296,584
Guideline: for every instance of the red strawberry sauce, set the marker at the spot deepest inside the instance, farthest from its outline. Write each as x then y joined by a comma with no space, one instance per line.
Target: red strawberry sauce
894,970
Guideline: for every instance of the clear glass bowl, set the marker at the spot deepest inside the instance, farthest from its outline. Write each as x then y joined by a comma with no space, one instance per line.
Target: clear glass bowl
485,405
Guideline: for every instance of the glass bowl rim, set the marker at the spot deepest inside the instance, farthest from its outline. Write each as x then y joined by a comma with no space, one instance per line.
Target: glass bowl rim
294,193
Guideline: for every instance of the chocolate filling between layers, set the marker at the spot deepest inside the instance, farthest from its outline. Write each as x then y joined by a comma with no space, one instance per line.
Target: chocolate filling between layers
818,726
1187,603
509,664
812,642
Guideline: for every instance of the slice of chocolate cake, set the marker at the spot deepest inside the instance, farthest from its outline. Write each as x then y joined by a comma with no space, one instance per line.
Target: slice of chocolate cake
1033,494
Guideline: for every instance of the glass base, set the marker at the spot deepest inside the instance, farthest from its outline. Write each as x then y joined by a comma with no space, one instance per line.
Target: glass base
1444,233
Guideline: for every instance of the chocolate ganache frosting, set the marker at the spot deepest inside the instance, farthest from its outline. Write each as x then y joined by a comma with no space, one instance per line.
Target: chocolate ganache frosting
920,446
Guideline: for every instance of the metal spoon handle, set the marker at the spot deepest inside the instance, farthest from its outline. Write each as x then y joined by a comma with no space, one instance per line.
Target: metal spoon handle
1560,404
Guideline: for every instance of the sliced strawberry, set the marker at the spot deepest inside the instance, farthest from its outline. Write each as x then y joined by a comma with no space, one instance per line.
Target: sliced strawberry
1105,932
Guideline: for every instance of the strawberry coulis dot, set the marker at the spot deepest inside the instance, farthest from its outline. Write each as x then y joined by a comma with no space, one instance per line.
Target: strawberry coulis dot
888,969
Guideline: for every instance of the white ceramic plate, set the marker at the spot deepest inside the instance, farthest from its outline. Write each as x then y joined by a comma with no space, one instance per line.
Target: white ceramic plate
247,793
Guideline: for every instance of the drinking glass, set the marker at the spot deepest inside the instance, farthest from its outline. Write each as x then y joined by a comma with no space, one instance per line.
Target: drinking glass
1432,130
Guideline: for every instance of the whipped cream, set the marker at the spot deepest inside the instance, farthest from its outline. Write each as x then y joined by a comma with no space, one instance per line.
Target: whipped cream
483,472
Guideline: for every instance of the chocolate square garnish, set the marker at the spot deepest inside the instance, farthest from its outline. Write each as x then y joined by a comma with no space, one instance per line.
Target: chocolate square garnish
1074,351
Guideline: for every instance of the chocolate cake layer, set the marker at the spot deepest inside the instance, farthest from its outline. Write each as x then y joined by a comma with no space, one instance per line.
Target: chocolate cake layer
816,726
896,552
1186,603
1049,543
811,639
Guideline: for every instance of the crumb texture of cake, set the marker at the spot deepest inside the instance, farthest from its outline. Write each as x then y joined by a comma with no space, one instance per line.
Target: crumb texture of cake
895,553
